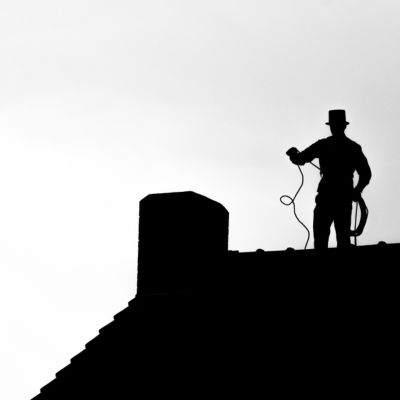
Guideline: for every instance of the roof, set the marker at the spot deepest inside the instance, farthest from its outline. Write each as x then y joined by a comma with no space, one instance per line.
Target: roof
265,320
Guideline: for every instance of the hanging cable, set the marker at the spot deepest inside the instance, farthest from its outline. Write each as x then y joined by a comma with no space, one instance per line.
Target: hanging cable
316,166
287,200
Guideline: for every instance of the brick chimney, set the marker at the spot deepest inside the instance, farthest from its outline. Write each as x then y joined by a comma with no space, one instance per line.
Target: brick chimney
181,238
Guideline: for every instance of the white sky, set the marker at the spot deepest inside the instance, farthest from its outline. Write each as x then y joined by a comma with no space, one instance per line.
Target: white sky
103,102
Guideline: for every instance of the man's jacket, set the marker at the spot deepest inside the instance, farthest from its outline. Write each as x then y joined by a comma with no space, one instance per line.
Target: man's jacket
338,158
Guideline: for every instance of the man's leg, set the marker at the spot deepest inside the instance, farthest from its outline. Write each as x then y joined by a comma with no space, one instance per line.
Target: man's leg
323,218
342,221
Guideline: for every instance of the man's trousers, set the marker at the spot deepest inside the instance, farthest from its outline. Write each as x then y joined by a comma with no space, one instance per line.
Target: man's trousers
332,208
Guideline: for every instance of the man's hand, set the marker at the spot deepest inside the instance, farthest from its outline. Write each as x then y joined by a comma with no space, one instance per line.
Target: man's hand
356,194
292,152
293,155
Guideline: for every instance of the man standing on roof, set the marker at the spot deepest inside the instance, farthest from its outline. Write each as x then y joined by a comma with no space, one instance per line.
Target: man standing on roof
338,157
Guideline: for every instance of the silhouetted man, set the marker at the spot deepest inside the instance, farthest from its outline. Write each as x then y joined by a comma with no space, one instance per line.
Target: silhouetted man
338,157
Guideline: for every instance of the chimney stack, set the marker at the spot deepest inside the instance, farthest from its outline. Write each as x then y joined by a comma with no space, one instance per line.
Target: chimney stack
181,238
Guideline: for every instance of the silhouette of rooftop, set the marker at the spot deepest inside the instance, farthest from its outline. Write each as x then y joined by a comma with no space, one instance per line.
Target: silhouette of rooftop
207,321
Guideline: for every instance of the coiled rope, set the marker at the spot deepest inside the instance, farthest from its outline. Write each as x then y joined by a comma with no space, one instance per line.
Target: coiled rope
355,225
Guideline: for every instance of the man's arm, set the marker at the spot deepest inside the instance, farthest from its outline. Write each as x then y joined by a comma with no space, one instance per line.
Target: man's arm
307,155
364,172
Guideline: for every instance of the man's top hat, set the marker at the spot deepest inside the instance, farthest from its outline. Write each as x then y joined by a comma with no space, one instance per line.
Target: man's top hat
337,117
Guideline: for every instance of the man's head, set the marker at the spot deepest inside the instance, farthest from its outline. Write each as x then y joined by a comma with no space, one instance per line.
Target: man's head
337,122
